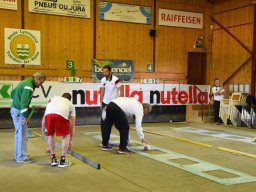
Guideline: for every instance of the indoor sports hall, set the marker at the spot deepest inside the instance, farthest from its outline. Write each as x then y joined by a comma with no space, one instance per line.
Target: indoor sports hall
127,95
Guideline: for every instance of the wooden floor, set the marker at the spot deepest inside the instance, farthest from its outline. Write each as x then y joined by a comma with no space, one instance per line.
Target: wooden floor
135,172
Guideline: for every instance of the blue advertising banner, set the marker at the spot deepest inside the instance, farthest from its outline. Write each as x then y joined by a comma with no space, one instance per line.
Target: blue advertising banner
123,69
124,12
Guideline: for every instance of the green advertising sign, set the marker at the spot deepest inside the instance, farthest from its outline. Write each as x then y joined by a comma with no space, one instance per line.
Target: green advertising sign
5,91
150,68
70,64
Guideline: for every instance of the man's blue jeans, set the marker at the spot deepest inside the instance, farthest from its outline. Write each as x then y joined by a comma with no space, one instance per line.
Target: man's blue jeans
20,136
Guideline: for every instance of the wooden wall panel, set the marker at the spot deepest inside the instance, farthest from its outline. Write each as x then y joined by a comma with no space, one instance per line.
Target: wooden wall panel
120,40
173,43
227,54
62,38
236,17
184,3
67,38
231,4
9,19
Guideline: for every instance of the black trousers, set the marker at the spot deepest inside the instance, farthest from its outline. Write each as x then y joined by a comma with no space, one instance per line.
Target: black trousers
216,111
115,116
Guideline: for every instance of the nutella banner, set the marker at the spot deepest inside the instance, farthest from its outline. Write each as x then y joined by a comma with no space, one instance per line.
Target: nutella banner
180,19
88,94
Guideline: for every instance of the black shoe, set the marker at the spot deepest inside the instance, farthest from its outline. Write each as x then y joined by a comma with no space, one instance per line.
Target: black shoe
106,148
124,151
54,162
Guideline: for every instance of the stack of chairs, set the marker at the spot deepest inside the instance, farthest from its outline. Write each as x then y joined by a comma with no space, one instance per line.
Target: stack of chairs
224,110
228,111
249,112
246,116
253,114
236,117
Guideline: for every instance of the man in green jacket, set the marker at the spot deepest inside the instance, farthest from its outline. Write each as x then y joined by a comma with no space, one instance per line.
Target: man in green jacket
22,95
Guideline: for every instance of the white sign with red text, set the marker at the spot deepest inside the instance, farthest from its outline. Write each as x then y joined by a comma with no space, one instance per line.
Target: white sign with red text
180,19
88,94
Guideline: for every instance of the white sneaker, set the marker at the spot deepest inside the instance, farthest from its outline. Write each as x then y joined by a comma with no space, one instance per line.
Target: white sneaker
54,162
25,161
64,164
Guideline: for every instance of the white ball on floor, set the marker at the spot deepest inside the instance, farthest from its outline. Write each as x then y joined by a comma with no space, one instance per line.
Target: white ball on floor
146,148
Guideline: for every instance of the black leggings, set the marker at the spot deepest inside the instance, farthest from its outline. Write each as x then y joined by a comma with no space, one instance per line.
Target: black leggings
115,116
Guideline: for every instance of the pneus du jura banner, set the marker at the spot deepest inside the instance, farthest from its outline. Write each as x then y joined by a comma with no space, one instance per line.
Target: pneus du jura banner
88,94
71,8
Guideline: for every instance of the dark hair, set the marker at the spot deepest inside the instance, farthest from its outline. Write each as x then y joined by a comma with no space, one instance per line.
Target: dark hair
67,96
215,79
107,67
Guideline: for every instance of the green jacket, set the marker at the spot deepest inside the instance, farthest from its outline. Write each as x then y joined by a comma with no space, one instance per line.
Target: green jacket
22,95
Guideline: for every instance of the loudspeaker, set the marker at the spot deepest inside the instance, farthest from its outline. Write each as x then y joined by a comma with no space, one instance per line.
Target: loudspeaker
152,32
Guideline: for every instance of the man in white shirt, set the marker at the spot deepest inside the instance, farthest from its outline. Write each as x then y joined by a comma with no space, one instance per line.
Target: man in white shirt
111,89
117,112
218,95
59,119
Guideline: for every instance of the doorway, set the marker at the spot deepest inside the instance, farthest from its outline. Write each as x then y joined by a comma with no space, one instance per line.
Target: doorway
196,68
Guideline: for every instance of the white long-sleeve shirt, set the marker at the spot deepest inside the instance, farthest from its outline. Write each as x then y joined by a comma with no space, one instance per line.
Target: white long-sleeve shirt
132,107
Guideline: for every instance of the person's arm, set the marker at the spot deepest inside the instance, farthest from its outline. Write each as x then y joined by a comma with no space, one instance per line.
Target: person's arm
139,129
220,91
24,103
101,96
72,126
120,88
43,124
43,129
72,122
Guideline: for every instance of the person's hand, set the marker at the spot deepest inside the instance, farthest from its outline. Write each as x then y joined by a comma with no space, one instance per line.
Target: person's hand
39,106
144,141
222,91
26,121
70,145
